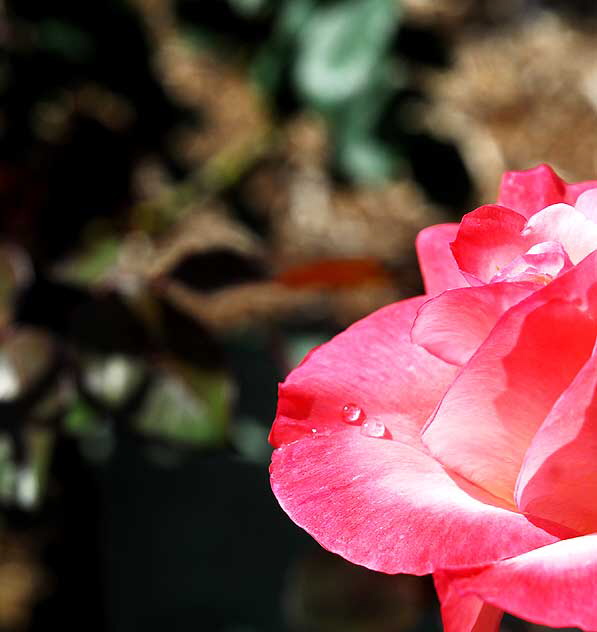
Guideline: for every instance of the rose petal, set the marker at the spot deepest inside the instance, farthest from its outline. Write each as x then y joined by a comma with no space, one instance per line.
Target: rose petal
576,189
436,261
372,365
587,204
464,614
488,417
540,264
391,507
493,242
558,479
489,238
357,495
532,190
555,585
566,225
527,192
454,324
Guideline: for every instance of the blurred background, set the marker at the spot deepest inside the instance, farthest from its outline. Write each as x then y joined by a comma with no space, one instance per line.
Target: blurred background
192,195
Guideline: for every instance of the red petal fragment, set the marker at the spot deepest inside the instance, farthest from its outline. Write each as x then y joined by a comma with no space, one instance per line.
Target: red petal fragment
436,261
558,480
372,365
489,238
336,274
465,614
391,507
555,585
454,324
527,192
488,417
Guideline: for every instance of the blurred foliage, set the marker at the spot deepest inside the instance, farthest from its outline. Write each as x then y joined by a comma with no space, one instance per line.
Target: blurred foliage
338,58
192,197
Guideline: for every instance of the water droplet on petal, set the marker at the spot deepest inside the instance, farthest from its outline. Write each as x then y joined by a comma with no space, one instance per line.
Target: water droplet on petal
352,414
313,430
373,428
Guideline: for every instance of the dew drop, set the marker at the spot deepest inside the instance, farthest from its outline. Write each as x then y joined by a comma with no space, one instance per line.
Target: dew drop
373,428
313,430
352,414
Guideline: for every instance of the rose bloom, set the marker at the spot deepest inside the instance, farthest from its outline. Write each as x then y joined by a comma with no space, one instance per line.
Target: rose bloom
455,433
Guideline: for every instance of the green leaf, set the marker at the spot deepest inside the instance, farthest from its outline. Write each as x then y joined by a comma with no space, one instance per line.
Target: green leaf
81,418
340,47
279,51
91,265
96,438
188,406
293,17
367,161
360,153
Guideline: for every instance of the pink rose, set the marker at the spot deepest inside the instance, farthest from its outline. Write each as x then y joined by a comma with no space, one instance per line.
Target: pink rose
456,433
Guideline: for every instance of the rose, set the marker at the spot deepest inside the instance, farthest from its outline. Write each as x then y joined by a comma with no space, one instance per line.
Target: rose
456,433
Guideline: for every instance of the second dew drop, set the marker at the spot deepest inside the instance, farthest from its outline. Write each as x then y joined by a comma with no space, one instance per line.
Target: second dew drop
373,428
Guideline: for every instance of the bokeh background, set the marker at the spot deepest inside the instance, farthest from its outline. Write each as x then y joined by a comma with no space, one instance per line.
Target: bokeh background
192,195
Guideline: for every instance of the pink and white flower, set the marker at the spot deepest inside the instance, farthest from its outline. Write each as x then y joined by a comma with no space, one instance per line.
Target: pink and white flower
455,433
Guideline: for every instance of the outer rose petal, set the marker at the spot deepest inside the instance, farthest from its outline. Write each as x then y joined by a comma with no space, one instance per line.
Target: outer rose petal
558,479
488,417
454,324
488,239
465,614
530,191
436,261
385,504
555,585
374,365
391,507
576,189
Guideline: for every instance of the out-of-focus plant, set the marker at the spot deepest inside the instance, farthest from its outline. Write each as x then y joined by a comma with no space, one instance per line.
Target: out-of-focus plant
186,208
170,241
127,310
338,56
